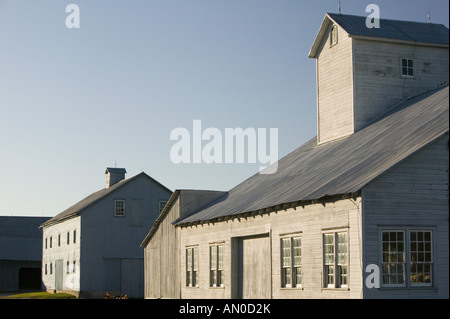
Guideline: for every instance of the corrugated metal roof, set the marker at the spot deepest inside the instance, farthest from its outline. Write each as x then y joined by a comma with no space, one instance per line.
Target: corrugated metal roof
344,166
75,209
391,30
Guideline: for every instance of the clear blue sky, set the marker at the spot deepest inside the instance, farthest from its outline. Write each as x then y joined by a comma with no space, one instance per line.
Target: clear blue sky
74,101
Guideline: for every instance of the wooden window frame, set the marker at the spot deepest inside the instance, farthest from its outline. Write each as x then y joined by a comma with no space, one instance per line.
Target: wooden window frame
119,211
216,265
407,68
335,260
192,265
333,35
409,255
289,264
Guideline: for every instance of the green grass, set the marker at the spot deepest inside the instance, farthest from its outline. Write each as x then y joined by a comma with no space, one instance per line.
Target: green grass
40,295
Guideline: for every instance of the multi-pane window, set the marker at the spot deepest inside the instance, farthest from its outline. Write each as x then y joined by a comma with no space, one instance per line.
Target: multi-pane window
162,204
393,259
407,257
335,260
192,267
407,68
216,277
291,262
421,259
119,207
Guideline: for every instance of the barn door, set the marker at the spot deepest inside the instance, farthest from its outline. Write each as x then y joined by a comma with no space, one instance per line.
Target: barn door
255,275
133,278
59,274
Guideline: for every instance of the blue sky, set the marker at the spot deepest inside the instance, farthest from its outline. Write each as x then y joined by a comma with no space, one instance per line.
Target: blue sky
75,101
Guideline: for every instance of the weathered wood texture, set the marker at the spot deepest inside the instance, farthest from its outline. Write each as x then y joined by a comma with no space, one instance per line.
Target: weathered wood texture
378,82
412,195
309,222
334,88
162,254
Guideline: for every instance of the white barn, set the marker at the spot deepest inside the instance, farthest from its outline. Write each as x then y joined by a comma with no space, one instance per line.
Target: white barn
92,248
370,192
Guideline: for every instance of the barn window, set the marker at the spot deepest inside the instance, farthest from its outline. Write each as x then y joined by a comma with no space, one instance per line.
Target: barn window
407,68
291,262
335,248
119,207
192,267
407,257
162,204
216,278
333,35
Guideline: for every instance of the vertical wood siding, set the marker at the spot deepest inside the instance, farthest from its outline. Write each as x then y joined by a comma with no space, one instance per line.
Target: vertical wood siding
161,259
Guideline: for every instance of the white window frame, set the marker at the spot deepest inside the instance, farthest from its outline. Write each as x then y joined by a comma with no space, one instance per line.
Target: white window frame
333,35
408,256
291,265
407,68
332,260
192,266
216,265
119,212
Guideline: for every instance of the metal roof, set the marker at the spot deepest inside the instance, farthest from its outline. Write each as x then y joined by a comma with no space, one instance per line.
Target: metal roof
389,30
76,209
313,171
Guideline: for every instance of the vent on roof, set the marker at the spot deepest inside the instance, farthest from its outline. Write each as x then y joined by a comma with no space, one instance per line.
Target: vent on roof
114,175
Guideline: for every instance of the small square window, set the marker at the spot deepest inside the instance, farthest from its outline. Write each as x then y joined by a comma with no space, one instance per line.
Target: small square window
407,68
119,207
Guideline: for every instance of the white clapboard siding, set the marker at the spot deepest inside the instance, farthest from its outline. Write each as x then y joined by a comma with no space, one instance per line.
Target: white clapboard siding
414,193
335,88
378,83
309,222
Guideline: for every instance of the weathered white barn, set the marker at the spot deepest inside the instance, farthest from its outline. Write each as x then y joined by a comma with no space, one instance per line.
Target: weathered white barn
360,211
92,247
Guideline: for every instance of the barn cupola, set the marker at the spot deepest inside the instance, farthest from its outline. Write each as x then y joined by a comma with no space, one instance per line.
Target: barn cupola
362,72
114,175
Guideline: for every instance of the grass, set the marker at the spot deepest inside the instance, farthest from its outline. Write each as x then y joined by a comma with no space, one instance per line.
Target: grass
40,295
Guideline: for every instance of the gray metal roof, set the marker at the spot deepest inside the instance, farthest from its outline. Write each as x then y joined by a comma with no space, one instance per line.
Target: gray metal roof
390,30
76,209
312,172
21,238
394,29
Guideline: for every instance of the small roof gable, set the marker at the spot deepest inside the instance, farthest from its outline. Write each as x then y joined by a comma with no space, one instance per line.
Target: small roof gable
342,167
115,170
76,209
390,30
190,201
